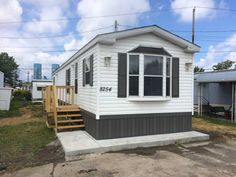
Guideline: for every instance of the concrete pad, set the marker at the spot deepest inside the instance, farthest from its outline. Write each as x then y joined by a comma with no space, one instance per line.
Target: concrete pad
39,171
80,142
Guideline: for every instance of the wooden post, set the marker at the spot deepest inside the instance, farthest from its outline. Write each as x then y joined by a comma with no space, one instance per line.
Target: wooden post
73,97
55,107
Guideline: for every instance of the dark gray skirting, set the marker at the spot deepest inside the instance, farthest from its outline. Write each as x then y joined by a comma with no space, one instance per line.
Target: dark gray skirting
117,126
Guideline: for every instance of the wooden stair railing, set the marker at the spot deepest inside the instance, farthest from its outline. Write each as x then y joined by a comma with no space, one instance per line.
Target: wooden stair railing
59,105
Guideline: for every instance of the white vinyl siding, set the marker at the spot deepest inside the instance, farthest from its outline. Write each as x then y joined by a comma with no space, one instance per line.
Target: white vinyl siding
87,96
109,103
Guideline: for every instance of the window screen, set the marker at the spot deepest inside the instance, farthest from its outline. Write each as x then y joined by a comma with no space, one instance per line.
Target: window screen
153,75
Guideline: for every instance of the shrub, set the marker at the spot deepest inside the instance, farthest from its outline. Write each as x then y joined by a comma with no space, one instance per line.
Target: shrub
22,95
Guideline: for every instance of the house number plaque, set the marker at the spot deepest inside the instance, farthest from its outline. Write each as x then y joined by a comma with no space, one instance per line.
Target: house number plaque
105,89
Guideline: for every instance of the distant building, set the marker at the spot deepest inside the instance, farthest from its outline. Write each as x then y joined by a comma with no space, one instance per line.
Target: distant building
37,71
54,67
37,87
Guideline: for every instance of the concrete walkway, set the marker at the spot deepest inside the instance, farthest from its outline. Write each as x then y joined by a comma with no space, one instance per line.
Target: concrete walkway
80,142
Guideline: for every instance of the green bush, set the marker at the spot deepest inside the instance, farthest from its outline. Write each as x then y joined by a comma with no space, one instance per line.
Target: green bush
22,95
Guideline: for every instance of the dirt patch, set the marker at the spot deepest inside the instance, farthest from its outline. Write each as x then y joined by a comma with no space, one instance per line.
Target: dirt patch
52,153
24,118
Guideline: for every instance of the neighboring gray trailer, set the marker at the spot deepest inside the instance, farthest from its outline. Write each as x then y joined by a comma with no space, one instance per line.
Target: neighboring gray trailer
216,89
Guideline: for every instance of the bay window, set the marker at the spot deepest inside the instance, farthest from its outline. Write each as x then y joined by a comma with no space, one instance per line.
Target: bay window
149,75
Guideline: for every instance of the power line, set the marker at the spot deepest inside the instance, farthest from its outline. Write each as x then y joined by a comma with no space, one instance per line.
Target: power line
188,31
215,8
92,17
78,33
55,36
113,15
75,50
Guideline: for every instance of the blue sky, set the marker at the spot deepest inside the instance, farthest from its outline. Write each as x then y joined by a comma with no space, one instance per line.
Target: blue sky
52,18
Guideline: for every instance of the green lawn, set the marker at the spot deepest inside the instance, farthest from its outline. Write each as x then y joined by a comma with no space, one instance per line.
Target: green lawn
20,144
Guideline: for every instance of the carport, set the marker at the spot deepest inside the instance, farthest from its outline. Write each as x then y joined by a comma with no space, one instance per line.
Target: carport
216,88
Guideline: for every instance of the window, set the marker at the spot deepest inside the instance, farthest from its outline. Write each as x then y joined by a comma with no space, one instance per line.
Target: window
168,76
149,75
134,75
87,71
153,75
39,88
68,77
76,78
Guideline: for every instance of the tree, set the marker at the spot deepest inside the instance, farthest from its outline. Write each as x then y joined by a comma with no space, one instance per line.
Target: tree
9,67
224,65
198,69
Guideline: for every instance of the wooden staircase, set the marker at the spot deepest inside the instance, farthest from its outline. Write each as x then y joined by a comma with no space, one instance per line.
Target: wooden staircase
62,113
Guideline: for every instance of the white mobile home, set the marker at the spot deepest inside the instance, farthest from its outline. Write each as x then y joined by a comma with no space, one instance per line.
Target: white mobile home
133,82
37,87
1,79
5,94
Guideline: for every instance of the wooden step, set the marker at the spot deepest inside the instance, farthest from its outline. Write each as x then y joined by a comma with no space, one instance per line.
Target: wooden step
68,107
70,120
69,115
70,126
68,110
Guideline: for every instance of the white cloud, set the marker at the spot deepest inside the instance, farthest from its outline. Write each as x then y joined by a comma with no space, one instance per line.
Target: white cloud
44,10
185,15
94,8
10,10
21,49
215,53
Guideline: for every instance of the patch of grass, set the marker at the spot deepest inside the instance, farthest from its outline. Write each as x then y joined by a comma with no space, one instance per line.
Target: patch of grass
214,125
22,143
14,109
37,110
217,121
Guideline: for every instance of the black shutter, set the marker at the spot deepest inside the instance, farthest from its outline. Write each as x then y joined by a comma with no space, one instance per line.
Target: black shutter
175,77
91,70
69,76
84,77
122,74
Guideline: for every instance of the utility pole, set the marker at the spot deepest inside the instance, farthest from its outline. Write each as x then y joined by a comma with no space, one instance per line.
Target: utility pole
193,25
116,26
28,76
